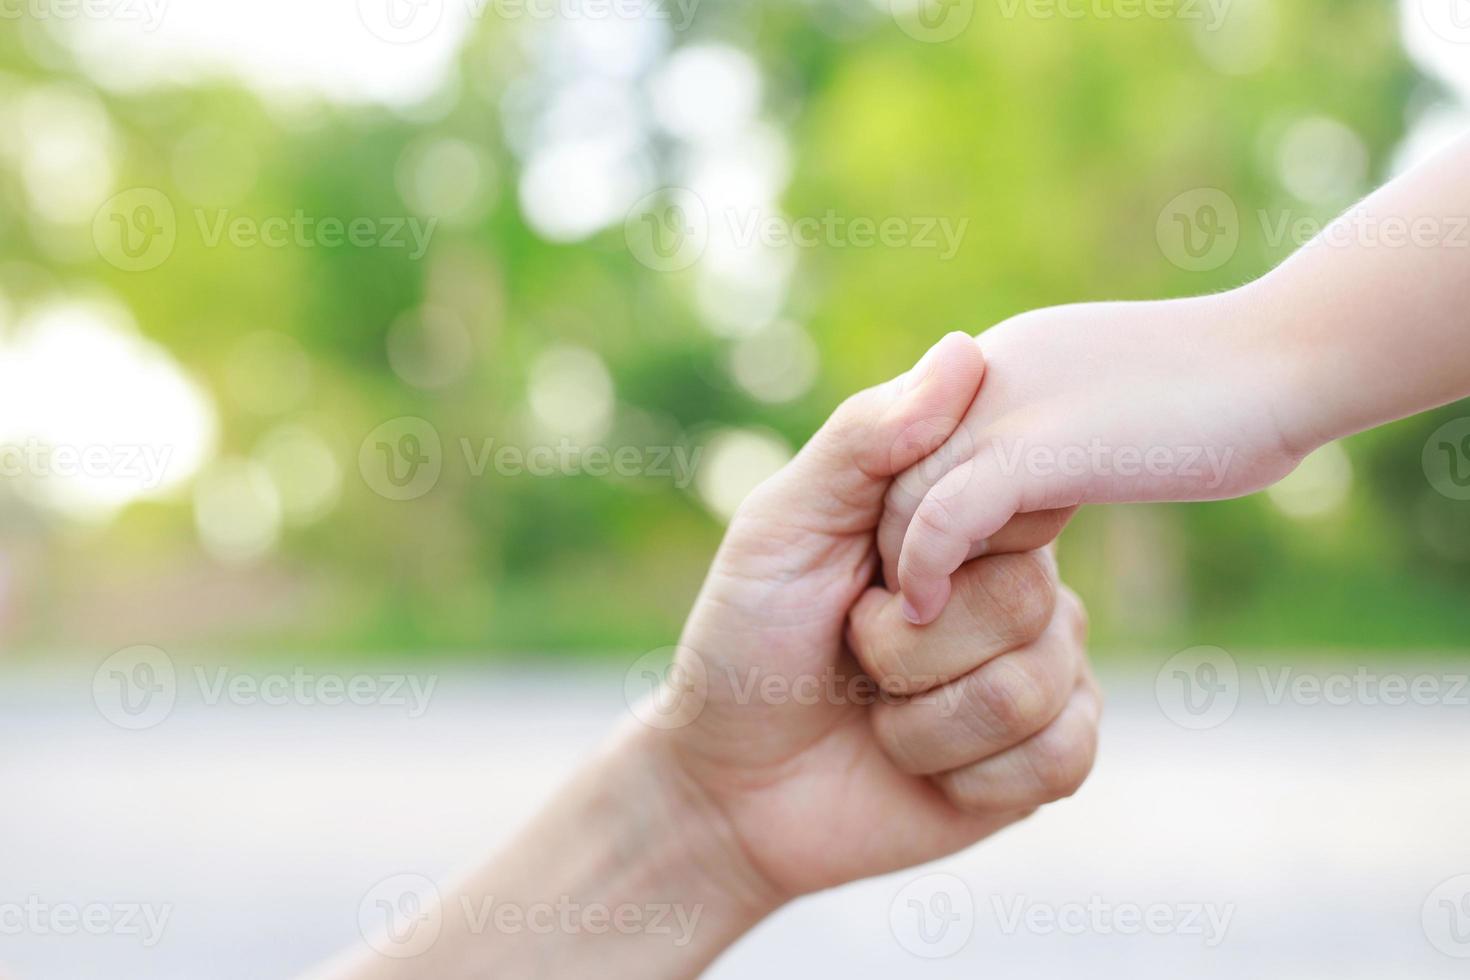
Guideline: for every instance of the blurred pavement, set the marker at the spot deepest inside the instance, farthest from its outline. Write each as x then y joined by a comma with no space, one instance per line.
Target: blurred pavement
1320,832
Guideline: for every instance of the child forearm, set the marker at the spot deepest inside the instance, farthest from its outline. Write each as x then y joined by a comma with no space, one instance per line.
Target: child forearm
1370,322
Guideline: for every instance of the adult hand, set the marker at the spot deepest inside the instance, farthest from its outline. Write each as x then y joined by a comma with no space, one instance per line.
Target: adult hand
788,751
820,778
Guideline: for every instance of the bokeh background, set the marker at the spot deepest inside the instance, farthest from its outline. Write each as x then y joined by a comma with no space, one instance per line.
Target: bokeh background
589,193
522,315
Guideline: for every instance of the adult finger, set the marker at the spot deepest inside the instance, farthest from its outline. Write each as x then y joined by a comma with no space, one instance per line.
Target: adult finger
987,711
1048,766
1001,603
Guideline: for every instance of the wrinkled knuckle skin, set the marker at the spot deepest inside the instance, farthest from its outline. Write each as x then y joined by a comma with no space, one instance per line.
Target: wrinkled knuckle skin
1062,765
964,794
1015,596
885,664
875,649
1010,704
887,729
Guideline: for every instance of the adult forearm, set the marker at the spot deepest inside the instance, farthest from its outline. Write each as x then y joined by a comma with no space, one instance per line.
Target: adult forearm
629,872
1370,322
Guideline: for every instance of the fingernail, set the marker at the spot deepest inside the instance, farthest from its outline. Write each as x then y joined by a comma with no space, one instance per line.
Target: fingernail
909,612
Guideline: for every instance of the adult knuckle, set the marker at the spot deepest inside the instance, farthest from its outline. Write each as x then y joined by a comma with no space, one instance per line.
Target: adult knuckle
887,664
894,739
964,792
1011,701
1061,764
1014,595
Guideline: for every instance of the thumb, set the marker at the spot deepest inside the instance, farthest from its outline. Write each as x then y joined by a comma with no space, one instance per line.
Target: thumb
836,484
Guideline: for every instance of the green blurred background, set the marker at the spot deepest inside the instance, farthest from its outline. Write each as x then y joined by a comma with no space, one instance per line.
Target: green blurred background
530,319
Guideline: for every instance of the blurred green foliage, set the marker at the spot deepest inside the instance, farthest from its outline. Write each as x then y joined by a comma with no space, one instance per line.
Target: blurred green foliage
1059,140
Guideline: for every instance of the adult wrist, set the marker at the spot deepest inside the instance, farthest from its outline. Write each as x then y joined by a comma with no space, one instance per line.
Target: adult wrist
697,843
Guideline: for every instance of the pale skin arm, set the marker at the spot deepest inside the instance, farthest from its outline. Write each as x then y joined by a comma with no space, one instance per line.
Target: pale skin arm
1371,326
722,806
1201,398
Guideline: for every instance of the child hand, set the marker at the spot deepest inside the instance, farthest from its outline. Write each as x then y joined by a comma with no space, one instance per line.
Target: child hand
1095,403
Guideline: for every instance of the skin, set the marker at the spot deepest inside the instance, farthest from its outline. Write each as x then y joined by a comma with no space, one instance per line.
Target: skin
730,804
1202,398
